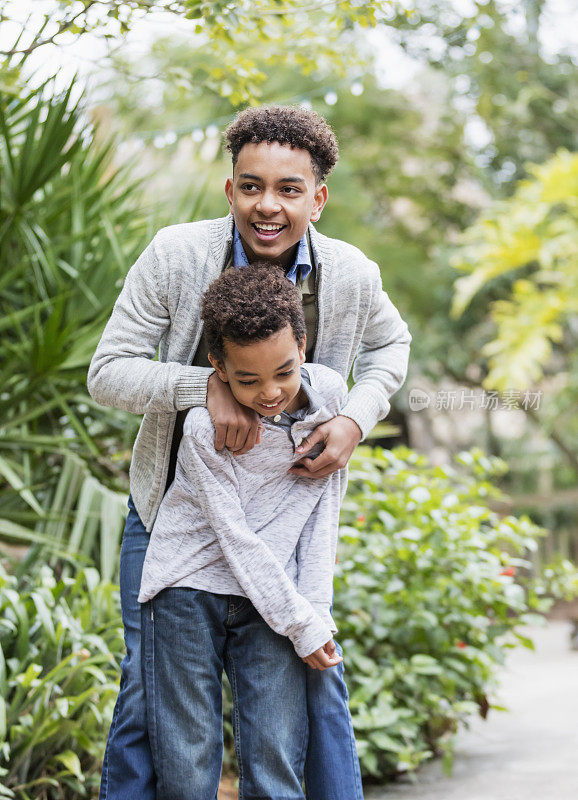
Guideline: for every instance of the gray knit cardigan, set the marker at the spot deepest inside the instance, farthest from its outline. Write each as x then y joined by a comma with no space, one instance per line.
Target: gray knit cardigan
159,309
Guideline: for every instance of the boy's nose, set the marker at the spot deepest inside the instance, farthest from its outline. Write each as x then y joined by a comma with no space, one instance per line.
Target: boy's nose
271,396
268,204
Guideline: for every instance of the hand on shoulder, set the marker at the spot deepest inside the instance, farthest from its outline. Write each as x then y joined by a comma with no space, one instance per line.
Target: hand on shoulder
237,427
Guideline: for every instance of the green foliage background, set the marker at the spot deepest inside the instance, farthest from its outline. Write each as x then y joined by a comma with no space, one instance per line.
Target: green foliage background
83,189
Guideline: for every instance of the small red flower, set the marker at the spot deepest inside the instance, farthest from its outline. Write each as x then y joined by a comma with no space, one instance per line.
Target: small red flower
461,645
510,571
361,517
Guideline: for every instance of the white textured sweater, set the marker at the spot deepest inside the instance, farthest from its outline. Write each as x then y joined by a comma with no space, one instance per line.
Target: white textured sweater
159,309
243,525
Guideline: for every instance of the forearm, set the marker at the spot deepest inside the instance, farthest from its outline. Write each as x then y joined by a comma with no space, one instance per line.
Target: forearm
316,552
377,376
380,367
139,385
275,597
123,372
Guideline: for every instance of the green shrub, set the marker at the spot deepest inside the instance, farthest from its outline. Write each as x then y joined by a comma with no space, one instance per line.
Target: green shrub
60,650
428,584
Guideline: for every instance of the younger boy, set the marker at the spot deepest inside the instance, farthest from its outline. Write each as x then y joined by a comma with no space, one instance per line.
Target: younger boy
239,542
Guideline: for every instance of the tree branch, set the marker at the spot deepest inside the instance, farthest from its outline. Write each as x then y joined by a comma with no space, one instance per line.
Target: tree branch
63,26
555,437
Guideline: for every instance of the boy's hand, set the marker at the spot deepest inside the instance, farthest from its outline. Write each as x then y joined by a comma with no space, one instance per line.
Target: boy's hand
236,427
341,436
324,657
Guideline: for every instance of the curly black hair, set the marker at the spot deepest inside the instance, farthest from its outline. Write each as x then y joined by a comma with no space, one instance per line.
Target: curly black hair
297,127
250,304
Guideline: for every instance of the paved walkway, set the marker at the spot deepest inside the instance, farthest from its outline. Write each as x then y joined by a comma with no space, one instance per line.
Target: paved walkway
527,753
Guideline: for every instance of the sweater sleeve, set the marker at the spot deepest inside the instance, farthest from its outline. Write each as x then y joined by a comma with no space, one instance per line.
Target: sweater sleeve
381,363
255,567
122,372
316,551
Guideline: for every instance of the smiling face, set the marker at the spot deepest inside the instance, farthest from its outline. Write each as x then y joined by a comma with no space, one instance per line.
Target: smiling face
265,375
273,196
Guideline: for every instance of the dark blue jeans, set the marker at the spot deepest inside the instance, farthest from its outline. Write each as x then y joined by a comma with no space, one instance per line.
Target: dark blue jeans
190,636
331,767
127,769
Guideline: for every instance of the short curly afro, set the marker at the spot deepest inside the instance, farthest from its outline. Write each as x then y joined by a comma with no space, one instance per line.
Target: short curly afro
248,305
297,127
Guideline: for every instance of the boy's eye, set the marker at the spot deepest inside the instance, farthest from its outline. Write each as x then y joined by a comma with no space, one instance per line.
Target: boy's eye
281,375
290,189
249,186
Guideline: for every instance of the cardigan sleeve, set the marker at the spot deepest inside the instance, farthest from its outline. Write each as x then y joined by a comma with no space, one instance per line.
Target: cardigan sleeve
253,564
380,367
122,372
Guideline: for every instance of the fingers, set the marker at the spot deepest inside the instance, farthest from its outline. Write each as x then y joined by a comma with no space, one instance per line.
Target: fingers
220,435
319,467
332,661
321,660
323,461
329,648
315,436
243,433
236,427
323,663
231,437
238,435
302,465
304,473
253,438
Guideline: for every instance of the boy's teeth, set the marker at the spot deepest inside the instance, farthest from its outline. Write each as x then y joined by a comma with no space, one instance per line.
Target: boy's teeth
264,227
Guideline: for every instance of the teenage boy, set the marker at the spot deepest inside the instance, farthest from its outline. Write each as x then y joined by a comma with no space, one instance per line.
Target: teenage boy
241,555
281,157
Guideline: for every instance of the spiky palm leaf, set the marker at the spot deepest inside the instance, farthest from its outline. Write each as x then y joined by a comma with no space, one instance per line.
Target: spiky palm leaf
70,227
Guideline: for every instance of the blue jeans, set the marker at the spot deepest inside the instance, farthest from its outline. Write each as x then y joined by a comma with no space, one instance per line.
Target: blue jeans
331,766
190,635
127,769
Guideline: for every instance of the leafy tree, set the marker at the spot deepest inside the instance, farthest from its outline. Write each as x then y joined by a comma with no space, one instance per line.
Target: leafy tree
61,645
525,102
533,238
431,588
312,34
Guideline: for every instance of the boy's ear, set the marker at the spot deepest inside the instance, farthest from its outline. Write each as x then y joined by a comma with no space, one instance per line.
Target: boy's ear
219,368
319,200
229,190
301,347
